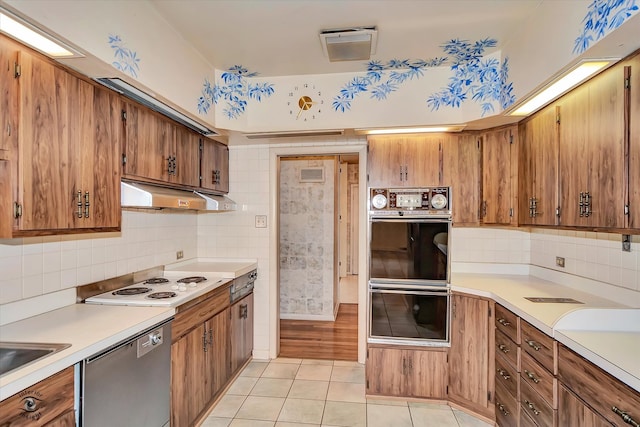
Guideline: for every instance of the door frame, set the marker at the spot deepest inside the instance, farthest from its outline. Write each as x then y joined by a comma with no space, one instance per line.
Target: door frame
359,148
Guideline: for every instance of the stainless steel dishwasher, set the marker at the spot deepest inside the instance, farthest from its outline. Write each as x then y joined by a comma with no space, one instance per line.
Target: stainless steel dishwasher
128,384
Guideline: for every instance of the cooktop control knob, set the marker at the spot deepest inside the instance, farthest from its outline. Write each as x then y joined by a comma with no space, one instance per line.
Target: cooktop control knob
155,338
379,201
438,201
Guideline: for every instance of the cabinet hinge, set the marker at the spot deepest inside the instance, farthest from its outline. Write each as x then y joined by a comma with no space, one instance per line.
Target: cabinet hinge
17,70
446,390
626,210
489,310
17,210
627,83
478,142
124,115
558,118
558,211
367,384
367,177
488,396
511,212
124,159
510,138
201,145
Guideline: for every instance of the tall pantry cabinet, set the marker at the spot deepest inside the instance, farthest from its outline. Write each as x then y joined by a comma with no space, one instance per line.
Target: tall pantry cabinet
633,119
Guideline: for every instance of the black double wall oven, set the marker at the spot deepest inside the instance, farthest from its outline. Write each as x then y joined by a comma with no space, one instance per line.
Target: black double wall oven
409,266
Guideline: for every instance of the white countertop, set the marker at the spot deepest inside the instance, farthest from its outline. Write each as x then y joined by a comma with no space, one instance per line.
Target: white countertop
222,267
88,328
602,331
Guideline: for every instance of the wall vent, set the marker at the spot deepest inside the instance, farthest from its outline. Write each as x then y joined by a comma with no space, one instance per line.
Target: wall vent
315,174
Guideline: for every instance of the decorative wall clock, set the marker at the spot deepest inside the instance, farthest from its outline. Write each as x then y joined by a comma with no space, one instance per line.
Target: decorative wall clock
305,102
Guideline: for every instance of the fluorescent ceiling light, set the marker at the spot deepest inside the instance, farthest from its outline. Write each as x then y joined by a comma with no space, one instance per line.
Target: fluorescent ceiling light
34,37
567,82
349,44
428,129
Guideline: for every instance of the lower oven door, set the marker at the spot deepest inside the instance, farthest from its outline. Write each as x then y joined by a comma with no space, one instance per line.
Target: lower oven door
409,316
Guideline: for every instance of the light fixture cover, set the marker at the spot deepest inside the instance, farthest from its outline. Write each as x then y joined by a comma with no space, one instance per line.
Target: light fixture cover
349,44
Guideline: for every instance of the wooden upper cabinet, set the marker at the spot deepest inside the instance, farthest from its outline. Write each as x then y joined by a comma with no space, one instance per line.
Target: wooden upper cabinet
461,156
634,141
498,150
158,150
404,161
538,168
214,166
591,165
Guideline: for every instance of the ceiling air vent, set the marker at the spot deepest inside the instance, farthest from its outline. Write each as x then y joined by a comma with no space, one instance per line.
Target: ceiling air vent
349,44
315,174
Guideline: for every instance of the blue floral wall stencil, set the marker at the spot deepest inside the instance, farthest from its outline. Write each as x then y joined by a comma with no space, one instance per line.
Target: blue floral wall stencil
127,60
236,91
483,80
602,17
382,79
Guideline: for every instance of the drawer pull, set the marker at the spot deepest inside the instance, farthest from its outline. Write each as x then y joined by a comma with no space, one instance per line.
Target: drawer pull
533,408
504,322
625,417
502,409
531,376
503,374
503,348
534,345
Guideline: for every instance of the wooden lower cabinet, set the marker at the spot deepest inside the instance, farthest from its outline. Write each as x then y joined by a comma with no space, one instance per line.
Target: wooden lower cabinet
574,412
241,325
47,403
407,372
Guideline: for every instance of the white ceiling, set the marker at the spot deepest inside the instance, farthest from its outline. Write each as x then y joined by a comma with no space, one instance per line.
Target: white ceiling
280,37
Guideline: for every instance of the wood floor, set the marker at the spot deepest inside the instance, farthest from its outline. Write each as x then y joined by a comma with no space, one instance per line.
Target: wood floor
309,339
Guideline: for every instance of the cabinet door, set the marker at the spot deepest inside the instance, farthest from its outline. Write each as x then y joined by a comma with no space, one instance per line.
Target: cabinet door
217,356
461,172
150,142
538,168
606,151
573,412
386,161
214,166
187,154
427,373
386,369
68,419
45,161
634,143
496,176
470,367
241,325
422,159
190,384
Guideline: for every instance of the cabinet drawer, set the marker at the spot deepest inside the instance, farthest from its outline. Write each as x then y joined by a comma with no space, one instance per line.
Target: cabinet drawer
205,308
534,405
598,389
542,347
526,421
506,408
507,376
538,378
507,323
507,349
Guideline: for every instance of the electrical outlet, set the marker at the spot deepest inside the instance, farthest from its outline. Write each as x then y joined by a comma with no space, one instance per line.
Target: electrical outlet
560,261
179,255
261,221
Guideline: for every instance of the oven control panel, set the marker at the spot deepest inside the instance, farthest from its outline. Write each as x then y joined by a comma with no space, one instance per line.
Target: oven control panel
433,199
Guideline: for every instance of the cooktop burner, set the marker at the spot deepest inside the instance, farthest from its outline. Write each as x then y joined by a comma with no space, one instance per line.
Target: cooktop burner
156,281
131,291
192,279
162,295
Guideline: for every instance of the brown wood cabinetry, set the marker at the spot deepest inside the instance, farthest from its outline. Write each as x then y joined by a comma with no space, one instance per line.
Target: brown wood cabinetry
573,412
499,149
471,381
158,150
214,166
633,120
200,365
407,372
538,168
47,403
241,332
592,153
461,171
405,160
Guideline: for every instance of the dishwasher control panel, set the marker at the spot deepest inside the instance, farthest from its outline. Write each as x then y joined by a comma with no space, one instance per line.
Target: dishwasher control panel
149,341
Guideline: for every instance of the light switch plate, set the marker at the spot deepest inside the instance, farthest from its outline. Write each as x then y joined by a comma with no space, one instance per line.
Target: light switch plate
261,221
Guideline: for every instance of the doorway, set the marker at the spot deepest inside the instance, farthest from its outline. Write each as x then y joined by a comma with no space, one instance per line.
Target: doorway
318,290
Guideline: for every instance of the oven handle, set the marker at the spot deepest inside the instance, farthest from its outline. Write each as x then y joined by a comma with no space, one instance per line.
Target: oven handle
409,218
408,287
442,292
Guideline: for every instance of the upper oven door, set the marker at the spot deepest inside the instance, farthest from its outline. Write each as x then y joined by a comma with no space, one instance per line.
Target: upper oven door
407,250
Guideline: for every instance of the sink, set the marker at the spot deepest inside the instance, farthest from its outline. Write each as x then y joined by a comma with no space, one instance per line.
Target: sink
14,355
551,300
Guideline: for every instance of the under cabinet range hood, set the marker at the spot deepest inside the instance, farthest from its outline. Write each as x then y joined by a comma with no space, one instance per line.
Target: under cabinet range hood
145,196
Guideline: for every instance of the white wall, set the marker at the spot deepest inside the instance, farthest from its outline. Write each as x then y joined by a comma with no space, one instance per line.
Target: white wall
35,266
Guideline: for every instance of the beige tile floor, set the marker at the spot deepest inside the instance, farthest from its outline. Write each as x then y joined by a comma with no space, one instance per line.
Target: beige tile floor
307,393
